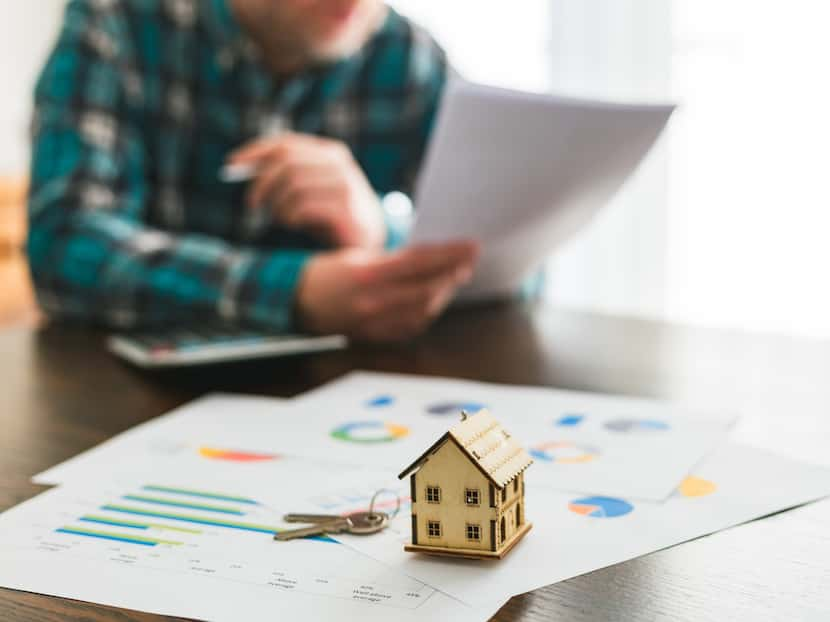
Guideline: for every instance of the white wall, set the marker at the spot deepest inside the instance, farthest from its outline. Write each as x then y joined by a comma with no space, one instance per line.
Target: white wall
728,222
616,50
27,31
489,41
749,210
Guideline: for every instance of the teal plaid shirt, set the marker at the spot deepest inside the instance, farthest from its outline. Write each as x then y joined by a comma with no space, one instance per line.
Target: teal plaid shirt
136,110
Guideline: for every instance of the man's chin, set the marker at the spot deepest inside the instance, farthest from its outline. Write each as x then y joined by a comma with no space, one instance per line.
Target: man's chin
341,49
344,45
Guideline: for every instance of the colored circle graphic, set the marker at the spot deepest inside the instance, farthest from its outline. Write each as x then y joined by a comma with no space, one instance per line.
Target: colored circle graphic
563,452
600,507
381,401
696,487
369,432
235,455
636,426
454,408
570,421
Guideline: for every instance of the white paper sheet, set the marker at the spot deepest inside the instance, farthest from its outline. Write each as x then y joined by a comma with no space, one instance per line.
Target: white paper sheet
624,446
174,552
735,485
522,172
215,436
636,448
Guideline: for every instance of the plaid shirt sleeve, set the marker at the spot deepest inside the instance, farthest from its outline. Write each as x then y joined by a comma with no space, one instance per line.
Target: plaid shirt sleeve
92,255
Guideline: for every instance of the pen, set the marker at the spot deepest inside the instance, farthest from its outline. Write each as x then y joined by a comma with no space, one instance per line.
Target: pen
237,173
246,171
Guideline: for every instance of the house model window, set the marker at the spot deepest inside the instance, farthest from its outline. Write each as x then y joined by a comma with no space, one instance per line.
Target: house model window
473,532
474,456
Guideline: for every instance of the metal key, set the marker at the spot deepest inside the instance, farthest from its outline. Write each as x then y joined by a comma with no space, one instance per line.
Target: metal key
358,523
337,525
311,518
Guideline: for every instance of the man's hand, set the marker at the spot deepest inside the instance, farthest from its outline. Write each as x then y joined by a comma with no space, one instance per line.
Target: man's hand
376,296
315,184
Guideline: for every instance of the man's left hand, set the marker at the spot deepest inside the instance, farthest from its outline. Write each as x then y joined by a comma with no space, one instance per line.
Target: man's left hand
314,183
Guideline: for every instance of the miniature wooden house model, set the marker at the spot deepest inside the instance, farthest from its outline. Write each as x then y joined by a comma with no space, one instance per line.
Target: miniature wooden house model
468,491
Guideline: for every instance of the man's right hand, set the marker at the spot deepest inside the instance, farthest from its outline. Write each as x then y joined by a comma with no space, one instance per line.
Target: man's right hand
376,296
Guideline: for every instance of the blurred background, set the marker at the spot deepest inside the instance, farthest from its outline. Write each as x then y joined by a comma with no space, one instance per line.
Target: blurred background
725,223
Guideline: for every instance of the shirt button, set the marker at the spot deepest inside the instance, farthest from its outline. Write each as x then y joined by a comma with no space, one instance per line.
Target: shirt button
225,58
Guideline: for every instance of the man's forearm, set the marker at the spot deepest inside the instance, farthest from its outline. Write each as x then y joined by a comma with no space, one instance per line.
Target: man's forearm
98,266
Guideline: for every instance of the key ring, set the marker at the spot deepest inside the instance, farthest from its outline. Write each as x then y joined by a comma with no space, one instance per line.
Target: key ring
391,492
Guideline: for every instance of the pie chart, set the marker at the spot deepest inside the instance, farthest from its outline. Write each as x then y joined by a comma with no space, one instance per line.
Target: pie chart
369,432
636,426
454,408
380,401
563,452
696,487
569,421
600,507
235,455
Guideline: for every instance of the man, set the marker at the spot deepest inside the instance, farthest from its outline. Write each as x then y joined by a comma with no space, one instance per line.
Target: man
142,104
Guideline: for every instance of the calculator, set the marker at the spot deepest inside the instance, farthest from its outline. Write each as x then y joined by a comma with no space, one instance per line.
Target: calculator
187,347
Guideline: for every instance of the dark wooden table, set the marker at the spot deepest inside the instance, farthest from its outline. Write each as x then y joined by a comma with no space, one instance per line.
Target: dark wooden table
62,393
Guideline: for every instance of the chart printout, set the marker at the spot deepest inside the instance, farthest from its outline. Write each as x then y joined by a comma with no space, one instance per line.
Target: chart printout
200,554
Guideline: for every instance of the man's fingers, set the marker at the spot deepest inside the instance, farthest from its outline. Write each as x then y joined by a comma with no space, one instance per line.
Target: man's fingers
419,295
264,184
286,182
422,261
282,144
441,299
262,148
404,324
305,182
308,214
335,296
418,302
401,312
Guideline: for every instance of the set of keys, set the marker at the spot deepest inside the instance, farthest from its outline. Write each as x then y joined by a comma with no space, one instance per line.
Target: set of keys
358,523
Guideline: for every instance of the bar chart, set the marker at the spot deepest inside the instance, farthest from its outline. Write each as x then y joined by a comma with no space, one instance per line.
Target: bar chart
163,529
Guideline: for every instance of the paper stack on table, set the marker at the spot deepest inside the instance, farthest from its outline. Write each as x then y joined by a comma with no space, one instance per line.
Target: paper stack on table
176,515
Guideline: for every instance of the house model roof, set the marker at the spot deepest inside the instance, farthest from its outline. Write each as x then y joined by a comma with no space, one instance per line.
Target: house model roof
488,445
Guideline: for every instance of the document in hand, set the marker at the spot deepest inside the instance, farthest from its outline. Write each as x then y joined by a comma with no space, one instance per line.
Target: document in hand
522,172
